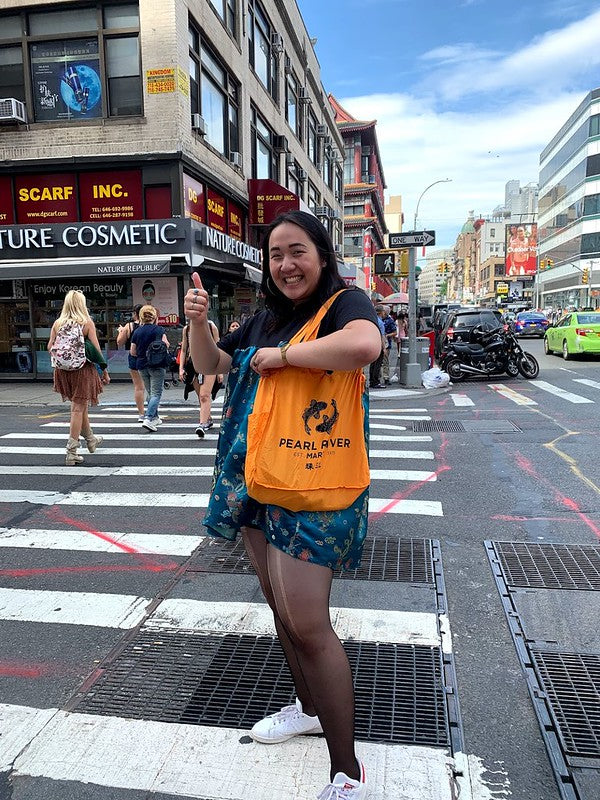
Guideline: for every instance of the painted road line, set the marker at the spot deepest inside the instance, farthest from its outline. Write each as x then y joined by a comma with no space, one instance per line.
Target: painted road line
199,452
587,382
187,500
256,619
183,472
72,608
119,437
400,417
461,400
167,425
400,411
197,761
19,725
408,438
148,543
562,393
383,427
510,394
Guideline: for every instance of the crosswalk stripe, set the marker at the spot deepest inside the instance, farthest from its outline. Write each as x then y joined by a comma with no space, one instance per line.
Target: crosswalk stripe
461,400
118,437
364,624
199,452
587,382
510,394
397,417
50,539
198,761
562,393
187,500
183,472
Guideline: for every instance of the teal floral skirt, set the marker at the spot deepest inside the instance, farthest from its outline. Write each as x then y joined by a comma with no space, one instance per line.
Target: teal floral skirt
333,539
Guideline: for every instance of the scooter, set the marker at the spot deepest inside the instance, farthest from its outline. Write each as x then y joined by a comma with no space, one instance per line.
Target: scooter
496,353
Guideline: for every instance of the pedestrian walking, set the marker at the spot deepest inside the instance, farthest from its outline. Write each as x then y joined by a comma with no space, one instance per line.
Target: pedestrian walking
294,552
152,370
390,332
203,385
75,378
375,371
124,335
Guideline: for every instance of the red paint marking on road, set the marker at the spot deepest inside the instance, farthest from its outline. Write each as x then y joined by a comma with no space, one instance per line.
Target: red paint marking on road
97,568
527,466
20,669
399,496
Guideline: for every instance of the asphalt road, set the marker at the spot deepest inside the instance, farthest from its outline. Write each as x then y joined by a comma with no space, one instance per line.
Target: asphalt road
75,584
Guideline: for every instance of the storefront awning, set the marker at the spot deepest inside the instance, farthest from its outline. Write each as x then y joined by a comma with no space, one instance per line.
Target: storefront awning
124,266
253,274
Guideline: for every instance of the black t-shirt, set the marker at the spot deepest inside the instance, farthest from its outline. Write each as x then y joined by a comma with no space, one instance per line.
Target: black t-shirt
350,305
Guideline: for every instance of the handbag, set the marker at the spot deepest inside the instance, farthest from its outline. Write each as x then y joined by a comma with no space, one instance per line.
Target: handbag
306,447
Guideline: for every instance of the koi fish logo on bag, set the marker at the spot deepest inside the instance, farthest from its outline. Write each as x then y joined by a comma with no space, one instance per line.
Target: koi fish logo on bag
68,349
314,410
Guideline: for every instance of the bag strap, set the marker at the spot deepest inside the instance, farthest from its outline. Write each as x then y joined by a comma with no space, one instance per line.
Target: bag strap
310,329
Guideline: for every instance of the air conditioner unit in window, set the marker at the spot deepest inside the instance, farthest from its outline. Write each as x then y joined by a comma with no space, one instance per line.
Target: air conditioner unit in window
287,65
290,160
236,158
303,95
198,124
322,211
302,174
335,214
280,144
277,43
322,131
372,179
12,110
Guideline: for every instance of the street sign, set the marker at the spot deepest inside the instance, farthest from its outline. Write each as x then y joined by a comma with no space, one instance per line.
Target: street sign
385,263
412,239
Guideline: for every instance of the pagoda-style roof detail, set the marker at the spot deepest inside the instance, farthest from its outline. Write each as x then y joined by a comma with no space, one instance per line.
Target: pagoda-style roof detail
343,118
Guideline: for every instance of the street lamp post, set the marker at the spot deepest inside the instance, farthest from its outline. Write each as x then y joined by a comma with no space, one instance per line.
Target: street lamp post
413,370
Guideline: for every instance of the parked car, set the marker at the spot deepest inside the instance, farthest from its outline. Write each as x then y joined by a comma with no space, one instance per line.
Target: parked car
530,323
460,322
574,333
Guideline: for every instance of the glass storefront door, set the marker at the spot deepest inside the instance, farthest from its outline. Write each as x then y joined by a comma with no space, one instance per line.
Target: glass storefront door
15,337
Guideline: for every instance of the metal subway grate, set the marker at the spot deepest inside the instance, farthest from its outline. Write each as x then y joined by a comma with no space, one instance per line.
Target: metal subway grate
441,425
571,682
234,680
384,558
550,566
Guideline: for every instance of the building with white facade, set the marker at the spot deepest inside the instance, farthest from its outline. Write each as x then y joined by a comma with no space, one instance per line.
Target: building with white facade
569,210
434,273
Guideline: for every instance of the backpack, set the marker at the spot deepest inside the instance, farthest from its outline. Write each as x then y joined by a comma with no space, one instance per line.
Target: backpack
157,355
68,350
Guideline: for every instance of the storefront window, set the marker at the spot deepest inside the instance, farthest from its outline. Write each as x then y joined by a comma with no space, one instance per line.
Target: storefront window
15,332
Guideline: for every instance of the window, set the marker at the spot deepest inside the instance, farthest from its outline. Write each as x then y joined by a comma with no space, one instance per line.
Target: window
328,170
349,164
492,233
264,160
313,140
262,57
214,95
292,181
226,10
314,197
339,183
83,63
292,106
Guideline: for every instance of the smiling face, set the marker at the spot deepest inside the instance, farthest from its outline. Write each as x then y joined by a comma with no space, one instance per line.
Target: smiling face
294,262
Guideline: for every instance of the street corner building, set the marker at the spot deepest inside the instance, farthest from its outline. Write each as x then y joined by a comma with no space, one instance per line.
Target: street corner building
142,141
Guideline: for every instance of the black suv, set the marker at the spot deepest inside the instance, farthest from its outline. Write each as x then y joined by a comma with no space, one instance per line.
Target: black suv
460,322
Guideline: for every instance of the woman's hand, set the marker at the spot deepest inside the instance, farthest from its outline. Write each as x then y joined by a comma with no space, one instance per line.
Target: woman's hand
105,377
195,302
266,360
181,374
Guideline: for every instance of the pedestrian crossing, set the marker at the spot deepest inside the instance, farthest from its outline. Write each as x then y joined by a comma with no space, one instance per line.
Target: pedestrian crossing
526,393
86,577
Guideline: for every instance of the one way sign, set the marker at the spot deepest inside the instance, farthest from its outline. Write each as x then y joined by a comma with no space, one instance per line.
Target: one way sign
412,239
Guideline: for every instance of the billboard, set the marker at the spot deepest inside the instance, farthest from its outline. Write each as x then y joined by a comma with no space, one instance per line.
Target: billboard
521,250
268,199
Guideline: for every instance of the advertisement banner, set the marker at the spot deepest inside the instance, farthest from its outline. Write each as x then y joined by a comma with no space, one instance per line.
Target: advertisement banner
66,80
46,198
110,195
7,215
215,204
193,199
236,225
160,293
160,81
268,199
521,250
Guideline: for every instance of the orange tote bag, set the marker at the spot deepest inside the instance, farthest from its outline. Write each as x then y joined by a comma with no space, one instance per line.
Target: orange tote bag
306,443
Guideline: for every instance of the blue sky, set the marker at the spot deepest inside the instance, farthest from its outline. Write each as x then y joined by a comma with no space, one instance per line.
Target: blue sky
471,90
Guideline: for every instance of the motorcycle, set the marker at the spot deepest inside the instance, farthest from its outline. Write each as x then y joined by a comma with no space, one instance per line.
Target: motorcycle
497,352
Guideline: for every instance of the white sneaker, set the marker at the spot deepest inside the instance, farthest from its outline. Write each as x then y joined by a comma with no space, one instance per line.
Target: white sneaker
345,788
150,425
285,724
157,421
141,418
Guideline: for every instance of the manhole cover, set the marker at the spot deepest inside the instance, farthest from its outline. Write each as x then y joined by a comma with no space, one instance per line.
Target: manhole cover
491,426
572,684
550,566
234,680
385,558
441,425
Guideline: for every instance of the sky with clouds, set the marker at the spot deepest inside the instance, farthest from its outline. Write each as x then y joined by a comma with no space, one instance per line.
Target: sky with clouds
471,90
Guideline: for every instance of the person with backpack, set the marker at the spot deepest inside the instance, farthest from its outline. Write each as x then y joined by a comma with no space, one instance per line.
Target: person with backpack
149,347
75,378
124,340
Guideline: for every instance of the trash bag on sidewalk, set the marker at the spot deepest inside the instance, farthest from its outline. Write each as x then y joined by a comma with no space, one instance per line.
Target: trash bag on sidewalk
434,378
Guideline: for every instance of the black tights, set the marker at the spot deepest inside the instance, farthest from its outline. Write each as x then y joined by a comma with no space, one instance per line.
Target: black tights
298,594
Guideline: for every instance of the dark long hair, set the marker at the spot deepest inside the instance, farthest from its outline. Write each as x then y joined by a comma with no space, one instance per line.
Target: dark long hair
329,282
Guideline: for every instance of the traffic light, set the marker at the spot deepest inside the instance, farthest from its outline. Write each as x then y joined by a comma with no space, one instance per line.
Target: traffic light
549,262
585,275
543,263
